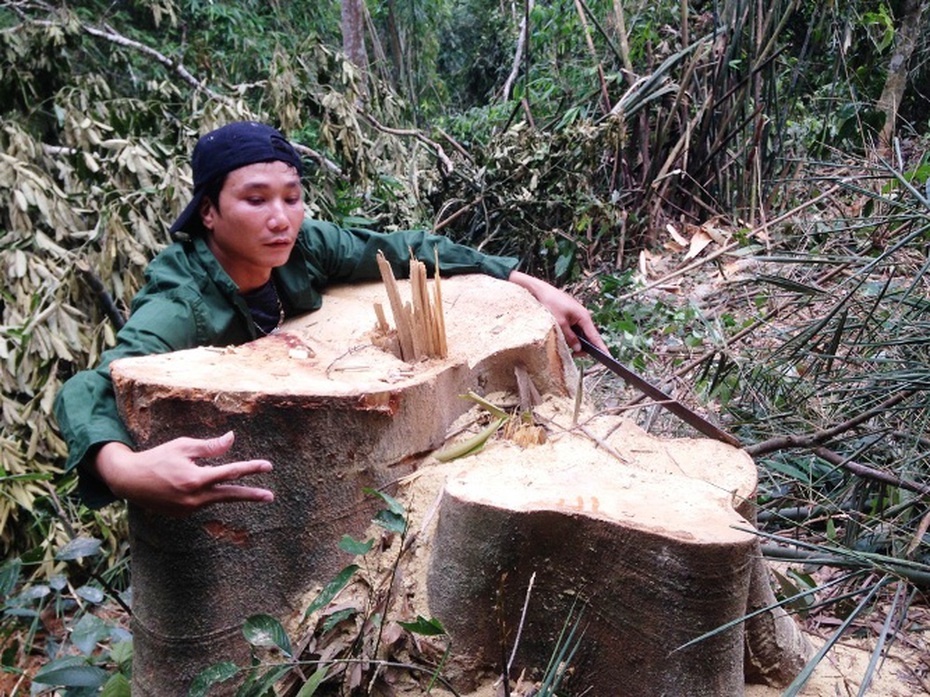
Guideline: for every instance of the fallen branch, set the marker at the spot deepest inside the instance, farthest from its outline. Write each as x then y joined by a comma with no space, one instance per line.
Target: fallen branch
518,54
818,438
317,157
115,37
113,312
870,472
859,560
404,132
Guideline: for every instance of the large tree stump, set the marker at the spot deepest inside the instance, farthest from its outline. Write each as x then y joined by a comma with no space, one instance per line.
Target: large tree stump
645,539
334,414
650,542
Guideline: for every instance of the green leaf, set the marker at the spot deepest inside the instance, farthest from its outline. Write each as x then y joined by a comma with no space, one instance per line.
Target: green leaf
337,617
390,521
492,409
261,685
88,632
470,445
36,592
393,504
79,548
331,590
353,546
218,672
265,630
91,594
71,671
9,576
423,626
121,654
117,686
313,682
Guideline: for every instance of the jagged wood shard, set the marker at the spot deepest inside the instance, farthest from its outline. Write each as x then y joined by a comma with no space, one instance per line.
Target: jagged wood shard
421,326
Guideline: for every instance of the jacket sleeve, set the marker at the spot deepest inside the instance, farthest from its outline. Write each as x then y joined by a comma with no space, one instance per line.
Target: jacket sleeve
345,255
85,407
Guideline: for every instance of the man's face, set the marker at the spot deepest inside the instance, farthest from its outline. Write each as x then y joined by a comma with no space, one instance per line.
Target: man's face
254,228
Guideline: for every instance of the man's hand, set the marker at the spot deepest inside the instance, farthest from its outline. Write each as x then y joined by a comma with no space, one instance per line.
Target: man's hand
566,310
167,479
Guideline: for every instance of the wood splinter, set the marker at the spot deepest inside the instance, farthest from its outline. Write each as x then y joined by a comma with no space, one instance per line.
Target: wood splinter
421,326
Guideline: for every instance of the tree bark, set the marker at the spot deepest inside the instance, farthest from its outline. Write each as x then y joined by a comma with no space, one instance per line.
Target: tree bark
906,39
353,35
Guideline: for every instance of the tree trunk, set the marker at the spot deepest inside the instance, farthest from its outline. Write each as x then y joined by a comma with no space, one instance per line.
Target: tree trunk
335,414
353,34
906,39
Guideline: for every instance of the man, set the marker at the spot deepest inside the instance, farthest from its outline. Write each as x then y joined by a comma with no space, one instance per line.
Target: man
245,259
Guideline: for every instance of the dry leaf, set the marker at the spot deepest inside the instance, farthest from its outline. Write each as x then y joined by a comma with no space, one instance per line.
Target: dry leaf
678,238
716,234
699,241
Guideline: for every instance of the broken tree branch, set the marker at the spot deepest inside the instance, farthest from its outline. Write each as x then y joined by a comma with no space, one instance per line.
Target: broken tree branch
436,147
818,438
870,472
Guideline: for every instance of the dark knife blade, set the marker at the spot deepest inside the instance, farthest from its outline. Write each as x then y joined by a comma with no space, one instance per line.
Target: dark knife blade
690,417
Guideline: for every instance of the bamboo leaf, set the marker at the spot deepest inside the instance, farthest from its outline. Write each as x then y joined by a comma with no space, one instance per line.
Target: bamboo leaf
309,688
424,626
798,683
355,547
217,673
493,409
469,445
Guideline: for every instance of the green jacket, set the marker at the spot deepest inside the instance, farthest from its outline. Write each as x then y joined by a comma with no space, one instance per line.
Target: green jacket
188,300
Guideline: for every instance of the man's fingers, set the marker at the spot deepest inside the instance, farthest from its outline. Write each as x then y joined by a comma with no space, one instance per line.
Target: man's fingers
206,447
217,489
592,334
571,338
235,470
225,493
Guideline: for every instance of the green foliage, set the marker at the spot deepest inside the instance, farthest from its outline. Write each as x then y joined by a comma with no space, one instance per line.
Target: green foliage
92,654
646,330
566,646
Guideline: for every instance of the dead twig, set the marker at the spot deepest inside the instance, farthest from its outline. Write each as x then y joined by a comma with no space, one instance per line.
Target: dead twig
870,472
818,438
410,133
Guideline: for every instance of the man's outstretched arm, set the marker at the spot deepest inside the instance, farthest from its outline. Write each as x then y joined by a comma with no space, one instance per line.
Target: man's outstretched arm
566,310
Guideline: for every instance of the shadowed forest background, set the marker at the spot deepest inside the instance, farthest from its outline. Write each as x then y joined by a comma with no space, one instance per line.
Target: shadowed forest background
739,190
